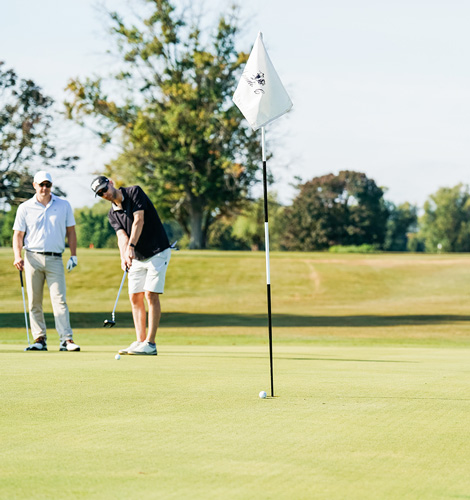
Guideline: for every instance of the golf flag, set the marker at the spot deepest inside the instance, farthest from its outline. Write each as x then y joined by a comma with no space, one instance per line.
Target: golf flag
261,98
260,95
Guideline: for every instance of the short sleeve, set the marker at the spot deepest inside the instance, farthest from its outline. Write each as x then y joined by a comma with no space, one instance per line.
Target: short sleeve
138,197
20,220
70,219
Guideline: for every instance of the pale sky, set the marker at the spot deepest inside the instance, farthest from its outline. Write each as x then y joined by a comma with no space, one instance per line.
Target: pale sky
379,87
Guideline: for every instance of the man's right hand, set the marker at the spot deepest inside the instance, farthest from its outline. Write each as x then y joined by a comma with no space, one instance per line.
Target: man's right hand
19,264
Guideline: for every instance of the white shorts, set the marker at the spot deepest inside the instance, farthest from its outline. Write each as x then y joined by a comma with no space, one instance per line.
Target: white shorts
149,275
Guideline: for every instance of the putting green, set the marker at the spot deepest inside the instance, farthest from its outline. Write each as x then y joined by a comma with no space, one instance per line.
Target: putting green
371,361
346,422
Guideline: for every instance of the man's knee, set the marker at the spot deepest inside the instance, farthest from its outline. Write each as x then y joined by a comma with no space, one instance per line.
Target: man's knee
136,298
152,297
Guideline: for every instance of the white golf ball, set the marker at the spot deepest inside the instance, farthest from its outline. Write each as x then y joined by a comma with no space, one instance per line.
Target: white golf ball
118,356
262,394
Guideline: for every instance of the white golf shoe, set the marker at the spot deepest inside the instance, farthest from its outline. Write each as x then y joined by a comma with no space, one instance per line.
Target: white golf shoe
69,345
133,346
39,345
145,348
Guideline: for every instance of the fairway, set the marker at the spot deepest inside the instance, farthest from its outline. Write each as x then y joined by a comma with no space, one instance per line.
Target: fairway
372,377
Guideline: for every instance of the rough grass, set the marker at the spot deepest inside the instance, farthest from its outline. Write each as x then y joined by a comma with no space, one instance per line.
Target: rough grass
371,383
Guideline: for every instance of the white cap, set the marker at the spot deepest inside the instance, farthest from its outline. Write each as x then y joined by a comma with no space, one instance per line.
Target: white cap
42,176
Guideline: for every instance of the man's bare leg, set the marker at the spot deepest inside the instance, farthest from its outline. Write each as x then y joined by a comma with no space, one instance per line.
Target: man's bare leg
155,312
139,315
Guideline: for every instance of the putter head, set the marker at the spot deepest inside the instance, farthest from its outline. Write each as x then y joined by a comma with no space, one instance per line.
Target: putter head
109,323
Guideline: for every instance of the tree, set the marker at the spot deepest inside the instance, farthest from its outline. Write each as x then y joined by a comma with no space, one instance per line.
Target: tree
7,219
343,209
249,225
93,227
25,122
245,230
171,111
445,224
401,220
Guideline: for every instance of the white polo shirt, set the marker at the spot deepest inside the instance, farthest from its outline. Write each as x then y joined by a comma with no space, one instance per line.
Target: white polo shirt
45,226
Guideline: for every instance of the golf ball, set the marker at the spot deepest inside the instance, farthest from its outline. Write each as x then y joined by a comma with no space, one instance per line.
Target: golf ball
262,394
118,356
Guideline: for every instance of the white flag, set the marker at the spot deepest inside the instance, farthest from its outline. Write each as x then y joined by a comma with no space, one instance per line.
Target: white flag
260,95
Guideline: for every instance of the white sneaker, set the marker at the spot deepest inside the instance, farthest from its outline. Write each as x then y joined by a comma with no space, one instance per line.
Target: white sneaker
144,348
39,345
134,344
69,345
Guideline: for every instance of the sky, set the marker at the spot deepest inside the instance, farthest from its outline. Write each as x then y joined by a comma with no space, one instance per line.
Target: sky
378,87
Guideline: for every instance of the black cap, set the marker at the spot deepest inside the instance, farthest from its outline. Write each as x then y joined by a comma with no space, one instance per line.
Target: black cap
99,183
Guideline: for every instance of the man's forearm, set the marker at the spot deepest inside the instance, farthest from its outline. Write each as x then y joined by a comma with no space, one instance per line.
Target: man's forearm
17,244
123,240
136,231
72,240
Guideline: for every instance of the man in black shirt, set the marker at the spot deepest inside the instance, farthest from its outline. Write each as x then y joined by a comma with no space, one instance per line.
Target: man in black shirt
145,253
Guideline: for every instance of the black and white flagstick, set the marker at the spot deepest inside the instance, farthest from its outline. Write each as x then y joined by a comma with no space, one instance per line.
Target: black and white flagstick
266,239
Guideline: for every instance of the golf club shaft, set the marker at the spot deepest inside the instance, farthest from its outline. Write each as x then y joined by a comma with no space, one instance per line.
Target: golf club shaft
24,306
119,293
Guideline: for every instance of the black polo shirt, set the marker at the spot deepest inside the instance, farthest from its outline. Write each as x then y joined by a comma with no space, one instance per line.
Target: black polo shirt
153,238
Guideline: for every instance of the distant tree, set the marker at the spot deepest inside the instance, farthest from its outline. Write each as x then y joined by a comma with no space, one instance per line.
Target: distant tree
415,243
401,220
93,227
245,230
445,224
249,225
170,108
25,122
221,236
7,219
343,209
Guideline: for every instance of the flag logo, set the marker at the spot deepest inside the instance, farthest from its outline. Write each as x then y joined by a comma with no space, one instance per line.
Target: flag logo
256,80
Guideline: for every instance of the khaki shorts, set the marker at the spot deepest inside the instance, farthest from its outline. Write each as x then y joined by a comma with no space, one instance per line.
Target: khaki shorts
149,275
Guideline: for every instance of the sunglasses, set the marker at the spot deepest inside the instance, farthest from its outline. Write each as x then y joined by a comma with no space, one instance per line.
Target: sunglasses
102,191
46,184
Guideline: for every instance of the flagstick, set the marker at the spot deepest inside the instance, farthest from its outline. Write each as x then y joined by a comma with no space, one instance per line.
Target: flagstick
266,239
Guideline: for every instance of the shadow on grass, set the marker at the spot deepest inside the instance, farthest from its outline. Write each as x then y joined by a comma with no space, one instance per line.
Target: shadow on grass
195,320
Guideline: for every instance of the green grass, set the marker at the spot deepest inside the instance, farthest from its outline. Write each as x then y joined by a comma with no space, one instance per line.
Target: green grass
371,358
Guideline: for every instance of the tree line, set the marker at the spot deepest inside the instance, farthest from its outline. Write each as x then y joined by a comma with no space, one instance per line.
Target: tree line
168,107
342,212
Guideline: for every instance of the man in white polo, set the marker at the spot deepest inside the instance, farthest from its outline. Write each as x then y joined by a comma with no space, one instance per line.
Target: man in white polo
41,225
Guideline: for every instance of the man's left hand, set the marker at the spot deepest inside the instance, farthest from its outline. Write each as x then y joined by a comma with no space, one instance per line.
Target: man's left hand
73,261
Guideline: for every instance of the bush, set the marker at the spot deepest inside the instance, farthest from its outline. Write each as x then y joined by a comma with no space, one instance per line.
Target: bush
365,248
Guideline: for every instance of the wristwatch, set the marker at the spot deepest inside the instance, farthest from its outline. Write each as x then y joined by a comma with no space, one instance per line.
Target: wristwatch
132,245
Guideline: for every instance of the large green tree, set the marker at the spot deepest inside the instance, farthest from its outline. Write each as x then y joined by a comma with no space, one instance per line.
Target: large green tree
343,209
401,220
25,137
170,109
445,224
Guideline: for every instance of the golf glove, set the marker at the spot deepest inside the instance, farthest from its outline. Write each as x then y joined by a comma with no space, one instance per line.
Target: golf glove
73,261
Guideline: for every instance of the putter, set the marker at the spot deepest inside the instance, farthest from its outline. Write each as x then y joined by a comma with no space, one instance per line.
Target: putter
25,314
111,322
